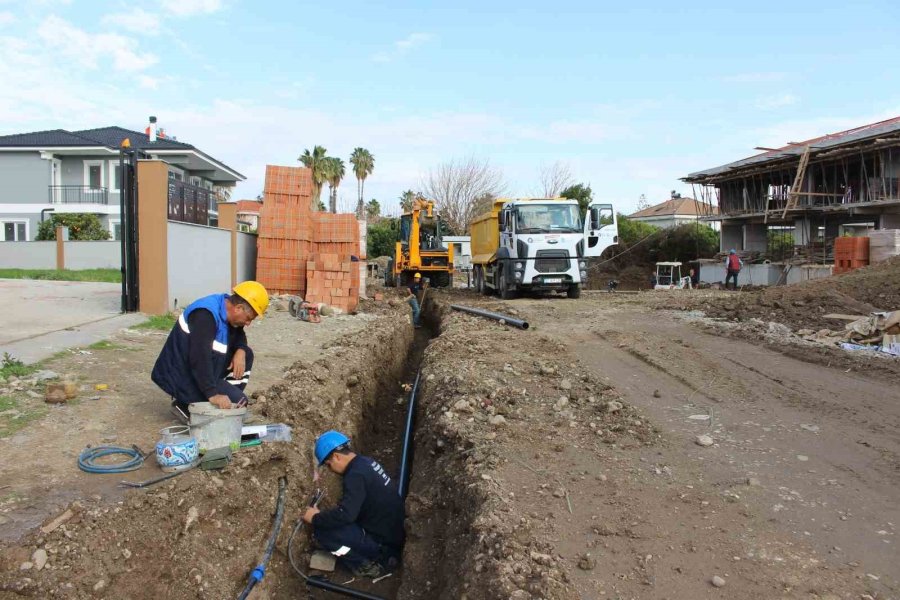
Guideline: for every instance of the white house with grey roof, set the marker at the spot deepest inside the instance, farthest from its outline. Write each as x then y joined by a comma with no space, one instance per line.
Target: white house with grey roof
61,171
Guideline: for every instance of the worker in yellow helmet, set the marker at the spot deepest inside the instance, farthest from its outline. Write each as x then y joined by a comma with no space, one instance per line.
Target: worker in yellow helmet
206,357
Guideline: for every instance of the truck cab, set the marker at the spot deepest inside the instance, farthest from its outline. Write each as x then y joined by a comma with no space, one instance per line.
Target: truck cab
539,244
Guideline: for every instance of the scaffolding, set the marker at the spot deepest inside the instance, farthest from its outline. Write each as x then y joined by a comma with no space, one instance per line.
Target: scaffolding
826,182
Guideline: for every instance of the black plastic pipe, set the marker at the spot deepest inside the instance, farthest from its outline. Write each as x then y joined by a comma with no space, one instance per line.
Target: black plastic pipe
492,315
406,454
260,571
324,584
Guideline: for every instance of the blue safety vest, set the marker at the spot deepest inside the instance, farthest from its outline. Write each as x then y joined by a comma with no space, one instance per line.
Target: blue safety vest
172,371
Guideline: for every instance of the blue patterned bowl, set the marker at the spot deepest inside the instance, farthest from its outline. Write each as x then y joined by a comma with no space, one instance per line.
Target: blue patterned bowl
177,448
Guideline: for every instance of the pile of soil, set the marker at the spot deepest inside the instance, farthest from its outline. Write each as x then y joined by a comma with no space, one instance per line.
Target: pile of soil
488,418
873,288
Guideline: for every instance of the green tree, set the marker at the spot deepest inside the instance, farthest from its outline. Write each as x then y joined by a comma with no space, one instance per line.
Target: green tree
406,200
579,192
81,227
319,206
363,164
316,162
373,209
334,171
381,237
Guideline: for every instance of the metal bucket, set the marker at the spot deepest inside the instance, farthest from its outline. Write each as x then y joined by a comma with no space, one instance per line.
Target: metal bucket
177,449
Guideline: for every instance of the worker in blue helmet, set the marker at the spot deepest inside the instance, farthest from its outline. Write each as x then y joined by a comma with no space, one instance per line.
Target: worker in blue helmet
365,530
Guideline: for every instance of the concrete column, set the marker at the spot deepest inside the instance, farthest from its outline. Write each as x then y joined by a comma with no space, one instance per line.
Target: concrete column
732,236
228,220
756,236
802,231
363,231
153,237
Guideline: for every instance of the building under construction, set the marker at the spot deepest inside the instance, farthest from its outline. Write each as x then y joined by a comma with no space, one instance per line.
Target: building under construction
806,194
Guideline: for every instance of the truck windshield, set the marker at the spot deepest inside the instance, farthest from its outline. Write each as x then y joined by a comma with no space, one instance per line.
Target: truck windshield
548,218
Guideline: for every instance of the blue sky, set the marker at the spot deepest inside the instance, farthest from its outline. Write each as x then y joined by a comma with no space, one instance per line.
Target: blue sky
629,97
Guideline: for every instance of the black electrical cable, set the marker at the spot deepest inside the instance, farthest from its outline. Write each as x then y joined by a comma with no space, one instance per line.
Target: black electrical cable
260,571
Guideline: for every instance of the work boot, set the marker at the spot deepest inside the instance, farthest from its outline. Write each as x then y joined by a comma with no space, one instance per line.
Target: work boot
370,569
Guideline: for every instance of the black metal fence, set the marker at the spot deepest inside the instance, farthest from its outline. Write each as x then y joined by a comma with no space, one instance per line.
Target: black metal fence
190,203
78,194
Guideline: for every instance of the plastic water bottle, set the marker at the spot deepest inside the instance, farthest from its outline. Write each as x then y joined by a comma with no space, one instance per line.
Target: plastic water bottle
279,432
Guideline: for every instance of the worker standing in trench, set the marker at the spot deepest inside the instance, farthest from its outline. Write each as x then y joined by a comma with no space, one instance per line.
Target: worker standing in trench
206,357
365,530
414,299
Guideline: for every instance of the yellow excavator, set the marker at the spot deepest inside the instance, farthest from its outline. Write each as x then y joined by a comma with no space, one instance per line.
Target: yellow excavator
420,249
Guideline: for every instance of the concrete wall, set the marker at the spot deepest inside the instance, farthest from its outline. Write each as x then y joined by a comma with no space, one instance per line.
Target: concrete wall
732,237
756,236
199,262
25,178
93,255
246,256
765,274
28,255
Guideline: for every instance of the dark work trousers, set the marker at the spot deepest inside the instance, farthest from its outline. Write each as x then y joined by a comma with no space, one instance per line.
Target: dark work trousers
353,546
729,275
228,384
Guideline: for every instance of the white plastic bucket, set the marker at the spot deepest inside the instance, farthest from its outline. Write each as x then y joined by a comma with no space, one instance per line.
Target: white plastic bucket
215,427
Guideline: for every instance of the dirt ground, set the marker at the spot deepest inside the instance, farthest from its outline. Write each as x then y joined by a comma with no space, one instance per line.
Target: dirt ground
558,462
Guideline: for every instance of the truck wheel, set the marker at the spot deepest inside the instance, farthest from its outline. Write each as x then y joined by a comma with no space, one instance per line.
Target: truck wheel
484,287
389,274
505,292
574,291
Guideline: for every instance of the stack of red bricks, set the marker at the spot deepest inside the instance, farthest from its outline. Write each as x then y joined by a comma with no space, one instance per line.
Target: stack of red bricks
302,251
330,278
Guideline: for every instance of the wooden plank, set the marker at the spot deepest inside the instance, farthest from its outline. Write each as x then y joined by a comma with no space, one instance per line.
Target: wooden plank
844,317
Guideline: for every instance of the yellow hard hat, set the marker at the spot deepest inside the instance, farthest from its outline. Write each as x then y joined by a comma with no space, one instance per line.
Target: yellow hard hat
417,276
255,295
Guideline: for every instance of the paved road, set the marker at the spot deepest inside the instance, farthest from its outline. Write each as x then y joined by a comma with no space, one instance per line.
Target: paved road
44,317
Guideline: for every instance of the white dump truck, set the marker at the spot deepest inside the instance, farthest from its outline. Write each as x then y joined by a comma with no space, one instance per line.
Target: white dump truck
538,244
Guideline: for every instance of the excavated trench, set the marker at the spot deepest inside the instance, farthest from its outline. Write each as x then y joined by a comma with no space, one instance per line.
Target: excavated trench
212,527
376,416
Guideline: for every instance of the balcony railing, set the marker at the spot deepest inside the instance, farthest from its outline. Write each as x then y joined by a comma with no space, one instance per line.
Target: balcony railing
190,203
78,194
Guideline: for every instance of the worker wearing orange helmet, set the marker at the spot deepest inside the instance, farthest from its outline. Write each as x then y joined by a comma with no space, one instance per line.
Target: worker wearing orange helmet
414,298
206,357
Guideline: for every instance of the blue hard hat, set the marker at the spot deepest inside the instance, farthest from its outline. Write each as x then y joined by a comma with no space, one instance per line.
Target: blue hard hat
327,442
732,251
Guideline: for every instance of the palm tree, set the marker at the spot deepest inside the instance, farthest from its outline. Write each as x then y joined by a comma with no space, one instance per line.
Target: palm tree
363,164
315,161
406,200
334,171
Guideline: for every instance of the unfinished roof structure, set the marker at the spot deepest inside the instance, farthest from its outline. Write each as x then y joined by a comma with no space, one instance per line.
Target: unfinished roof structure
815,188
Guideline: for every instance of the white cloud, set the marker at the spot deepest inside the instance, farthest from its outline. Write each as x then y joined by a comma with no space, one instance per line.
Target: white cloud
755,77
401,47
87,49
6,18
147,82
776,101
135,21
189,8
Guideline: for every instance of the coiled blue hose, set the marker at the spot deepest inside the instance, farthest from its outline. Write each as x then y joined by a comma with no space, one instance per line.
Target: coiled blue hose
89,455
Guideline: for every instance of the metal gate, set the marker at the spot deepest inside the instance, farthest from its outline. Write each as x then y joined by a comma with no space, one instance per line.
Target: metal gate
128,199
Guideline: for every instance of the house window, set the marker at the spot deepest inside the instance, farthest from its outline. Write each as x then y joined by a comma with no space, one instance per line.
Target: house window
115,229
115,176
175,175
15,231
93,174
